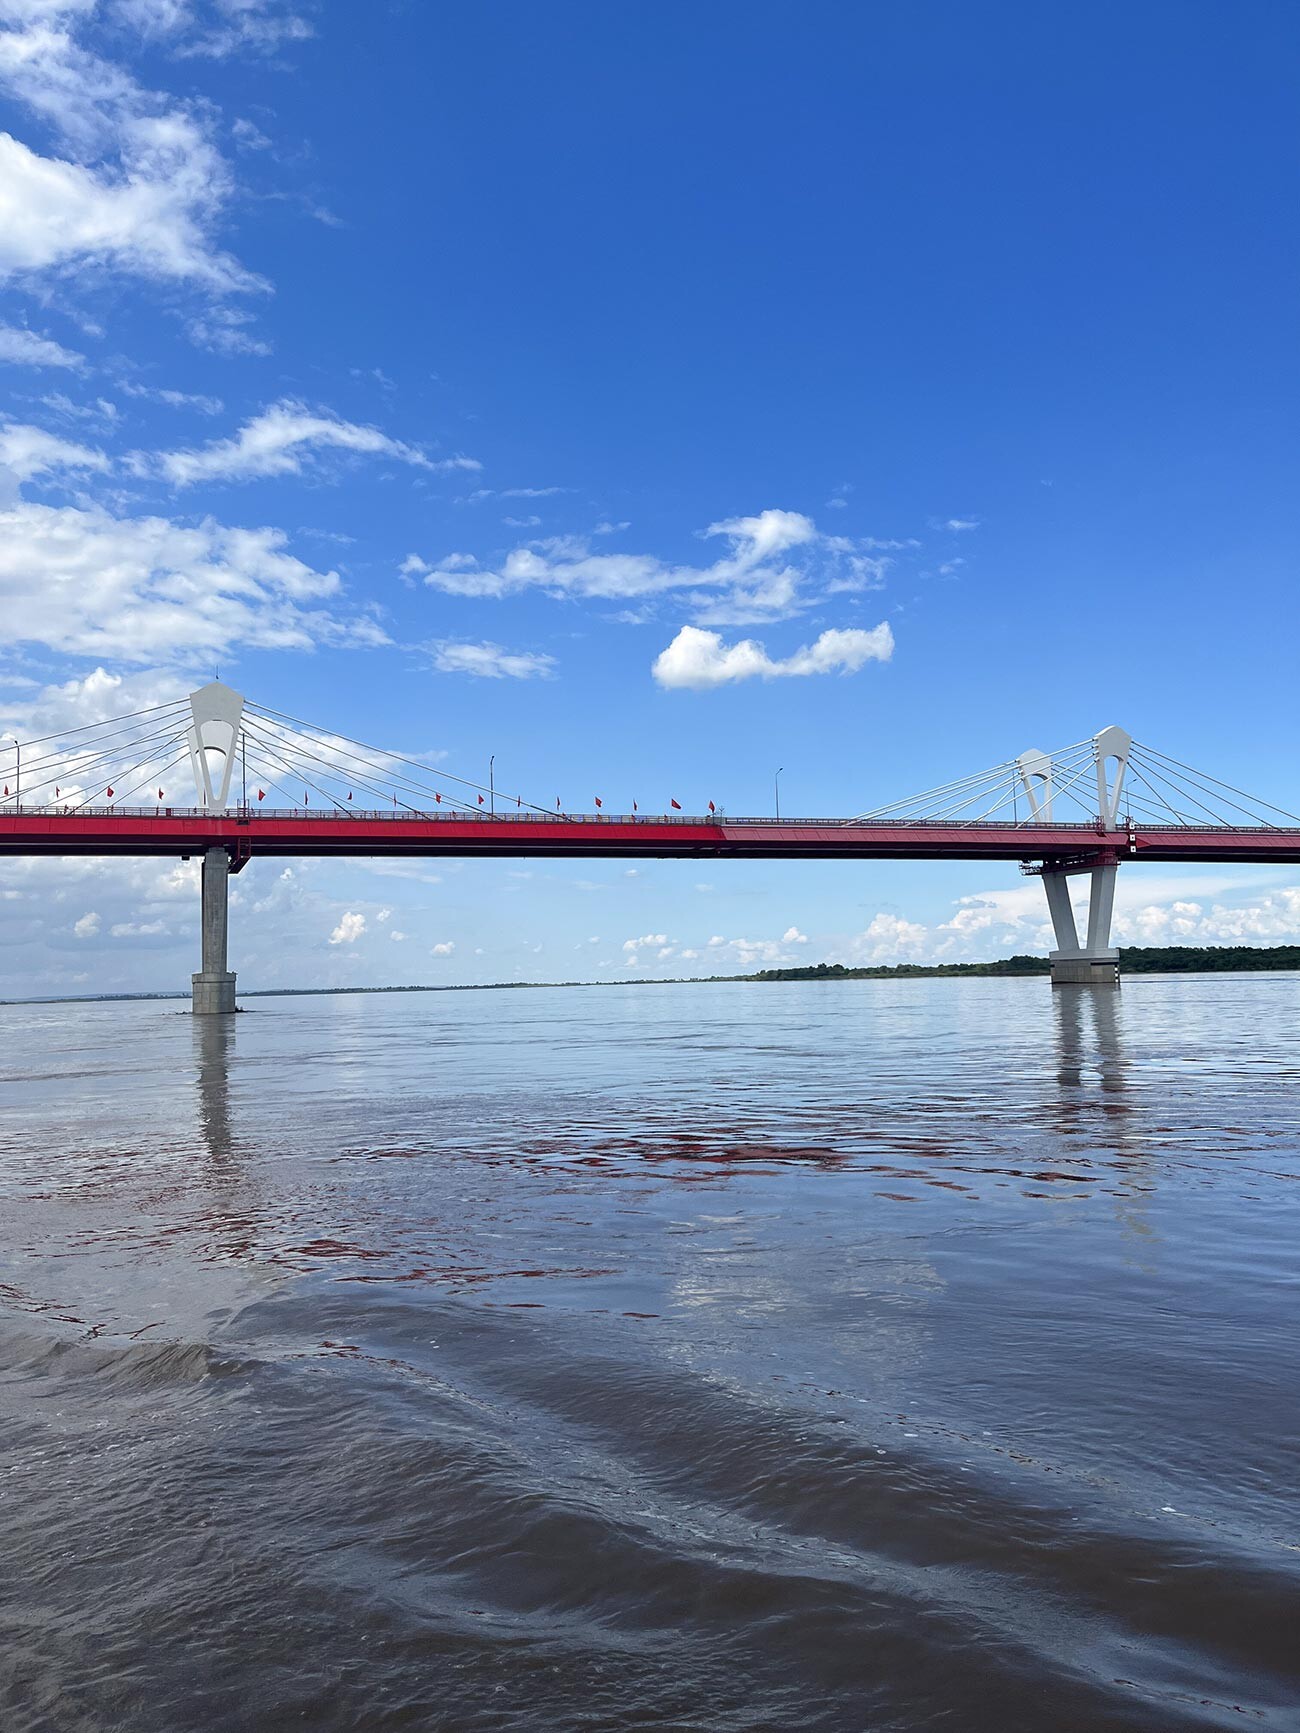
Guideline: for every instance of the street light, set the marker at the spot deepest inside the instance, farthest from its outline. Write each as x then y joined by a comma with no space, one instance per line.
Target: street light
492,786
776,785
18,769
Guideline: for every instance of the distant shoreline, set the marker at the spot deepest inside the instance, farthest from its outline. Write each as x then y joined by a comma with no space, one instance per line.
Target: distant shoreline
1135,960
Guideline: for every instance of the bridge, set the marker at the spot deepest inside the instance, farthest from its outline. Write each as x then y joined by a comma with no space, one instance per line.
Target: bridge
103,789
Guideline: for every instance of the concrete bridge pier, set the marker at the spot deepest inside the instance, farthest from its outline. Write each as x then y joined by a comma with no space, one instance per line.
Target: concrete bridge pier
213,987
1095,963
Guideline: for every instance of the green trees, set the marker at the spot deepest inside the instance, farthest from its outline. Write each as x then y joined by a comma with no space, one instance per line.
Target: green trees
1133,960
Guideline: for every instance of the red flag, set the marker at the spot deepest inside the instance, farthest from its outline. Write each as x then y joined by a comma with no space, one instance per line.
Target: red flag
6,791
349,794
712,808
261,794
305,800
110,794
437,797
480,800
557,803
160,794
675,804
633,806
519,800
599,802
56,793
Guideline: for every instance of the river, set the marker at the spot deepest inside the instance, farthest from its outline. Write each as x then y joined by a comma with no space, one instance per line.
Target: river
886,1355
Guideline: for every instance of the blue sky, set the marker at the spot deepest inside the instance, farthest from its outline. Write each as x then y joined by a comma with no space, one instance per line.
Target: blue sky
475,380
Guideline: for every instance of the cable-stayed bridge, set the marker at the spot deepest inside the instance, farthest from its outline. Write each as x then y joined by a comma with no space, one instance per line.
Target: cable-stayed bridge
218,776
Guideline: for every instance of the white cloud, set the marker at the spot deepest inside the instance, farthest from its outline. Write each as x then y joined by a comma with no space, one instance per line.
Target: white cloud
444,949
82,581
137,929
889,938
743,954
135,184
27,451
226,331
396,937
23,348
867,573
775,566
244,26
700,660
1149,910
148,219
517,492
95,697
153,18
662,946
647,939
250,137
962,523
87,926
174,399
100,410
349,930
491,661
280,440
1268,919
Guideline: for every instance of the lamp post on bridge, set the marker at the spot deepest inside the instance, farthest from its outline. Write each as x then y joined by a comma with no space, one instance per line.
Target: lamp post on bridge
776,786
492,786
18,770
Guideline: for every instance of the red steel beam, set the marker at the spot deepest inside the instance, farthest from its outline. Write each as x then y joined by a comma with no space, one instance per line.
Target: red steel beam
248,835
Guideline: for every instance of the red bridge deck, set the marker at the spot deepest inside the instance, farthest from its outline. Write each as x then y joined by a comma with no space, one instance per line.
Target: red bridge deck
176,831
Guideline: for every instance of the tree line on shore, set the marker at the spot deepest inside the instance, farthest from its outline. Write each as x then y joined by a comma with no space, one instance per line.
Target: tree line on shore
1133,960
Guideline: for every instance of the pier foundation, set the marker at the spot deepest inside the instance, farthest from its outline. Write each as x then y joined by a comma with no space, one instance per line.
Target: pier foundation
1085,971
213,988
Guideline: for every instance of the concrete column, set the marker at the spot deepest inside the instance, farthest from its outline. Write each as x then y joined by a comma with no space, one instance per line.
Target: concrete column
1095,964
214,985
1061,909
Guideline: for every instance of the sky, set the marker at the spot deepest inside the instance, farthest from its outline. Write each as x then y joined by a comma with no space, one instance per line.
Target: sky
654,398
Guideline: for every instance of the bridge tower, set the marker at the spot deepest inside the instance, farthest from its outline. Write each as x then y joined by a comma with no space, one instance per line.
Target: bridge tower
213,738
1094,962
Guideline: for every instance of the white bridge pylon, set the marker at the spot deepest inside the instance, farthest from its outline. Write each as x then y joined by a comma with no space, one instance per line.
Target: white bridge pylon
1094,962
213,738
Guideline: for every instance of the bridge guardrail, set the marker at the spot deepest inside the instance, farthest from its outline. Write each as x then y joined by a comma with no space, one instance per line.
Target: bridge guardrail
383,815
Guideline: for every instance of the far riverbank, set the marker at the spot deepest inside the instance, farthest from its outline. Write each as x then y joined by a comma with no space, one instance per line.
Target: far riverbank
1133,960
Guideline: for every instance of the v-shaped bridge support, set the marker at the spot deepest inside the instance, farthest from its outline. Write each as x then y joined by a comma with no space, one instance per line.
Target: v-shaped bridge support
1095,962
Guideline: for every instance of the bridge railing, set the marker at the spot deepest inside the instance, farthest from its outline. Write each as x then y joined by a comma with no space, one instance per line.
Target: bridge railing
468,815
1083,827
